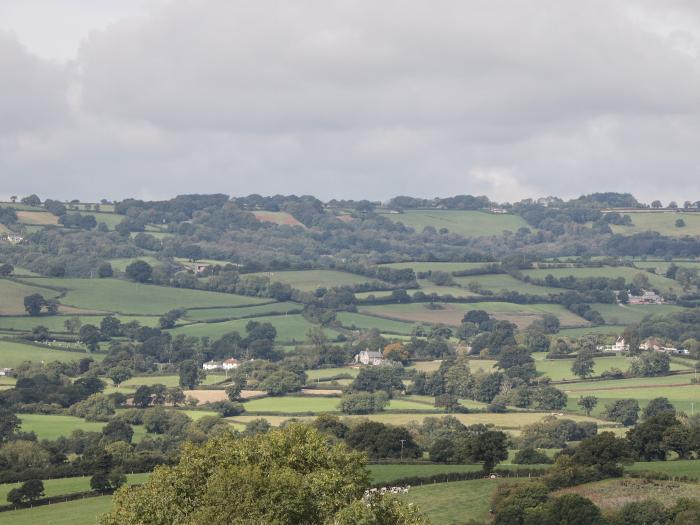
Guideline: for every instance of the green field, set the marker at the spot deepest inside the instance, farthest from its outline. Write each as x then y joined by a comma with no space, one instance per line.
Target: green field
166,380
664,284
466,223
113,295
55,323
55,426
119,265
58,487
680,467
496,282
290,328
677,389
560,369
449,267
330,372
12,296
204,314
452,313
310,280
367,322
663,222
390,473
633,313
575,333
454,502
430,288
662,266
317,404
80,512
13,353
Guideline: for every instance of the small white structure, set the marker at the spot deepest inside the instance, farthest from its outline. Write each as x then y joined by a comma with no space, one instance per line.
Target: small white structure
368,357
5,371
213,365
620,345
230,364
652,344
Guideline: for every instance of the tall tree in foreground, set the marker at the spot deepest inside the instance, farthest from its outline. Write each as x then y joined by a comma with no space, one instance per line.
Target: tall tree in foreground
294,475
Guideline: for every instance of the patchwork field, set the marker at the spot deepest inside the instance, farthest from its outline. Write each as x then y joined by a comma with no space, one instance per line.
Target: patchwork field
678,389
38,218
367,322
277,217
560,369
290,328
452,313
310,280
112,295
429,288
54,426
58,487
419,266
466,223
173,380
455,502
13,353
12,296
496,282
657,281
80,512
242,311
634,313
55,323
321,373
663,222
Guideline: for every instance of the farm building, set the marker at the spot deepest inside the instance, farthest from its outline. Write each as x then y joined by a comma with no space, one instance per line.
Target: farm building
647,297
230,364
213,365
368,357
5,371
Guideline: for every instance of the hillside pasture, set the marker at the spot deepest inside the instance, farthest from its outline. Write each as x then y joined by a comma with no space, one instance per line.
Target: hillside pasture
496,282
79,512
277,217
171,380
677,388
602,330
452,313
37,218
12,296
205,314
662,266
13,353
311,280
449,267
679,467
430,288
633,313
659,282
290,328
119,296
322,373
663,222
467,223
56,323
52,426
560,369
355,321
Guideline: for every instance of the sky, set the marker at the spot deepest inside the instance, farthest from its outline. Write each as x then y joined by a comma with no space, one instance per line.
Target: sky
349,98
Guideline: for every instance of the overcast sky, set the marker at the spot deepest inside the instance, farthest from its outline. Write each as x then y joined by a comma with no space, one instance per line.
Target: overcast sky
349,99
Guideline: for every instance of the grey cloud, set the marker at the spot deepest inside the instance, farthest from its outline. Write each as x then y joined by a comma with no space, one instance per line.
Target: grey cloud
370,99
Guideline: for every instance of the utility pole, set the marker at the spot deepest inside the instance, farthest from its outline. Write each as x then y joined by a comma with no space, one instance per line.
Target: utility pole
402,443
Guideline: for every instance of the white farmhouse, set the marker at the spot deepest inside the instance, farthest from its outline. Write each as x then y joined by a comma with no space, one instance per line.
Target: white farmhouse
230,364
368,357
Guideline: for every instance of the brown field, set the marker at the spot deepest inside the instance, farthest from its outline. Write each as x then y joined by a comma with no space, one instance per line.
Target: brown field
40,218
614,493
320,392
277,217
210,396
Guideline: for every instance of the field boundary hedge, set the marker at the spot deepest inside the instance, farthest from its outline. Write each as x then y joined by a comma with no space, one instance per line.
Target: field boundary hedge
462,476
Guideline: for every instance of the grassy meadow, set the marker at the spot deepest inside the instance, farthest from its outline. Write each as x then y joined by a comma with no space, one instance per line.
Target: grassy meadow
113,295
496,282
204,314
663,222
13,353
310,280
449,267
633,313
56,323
52,426
290,328
452,313
466,223
80,512
12,296
368,322
612,272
